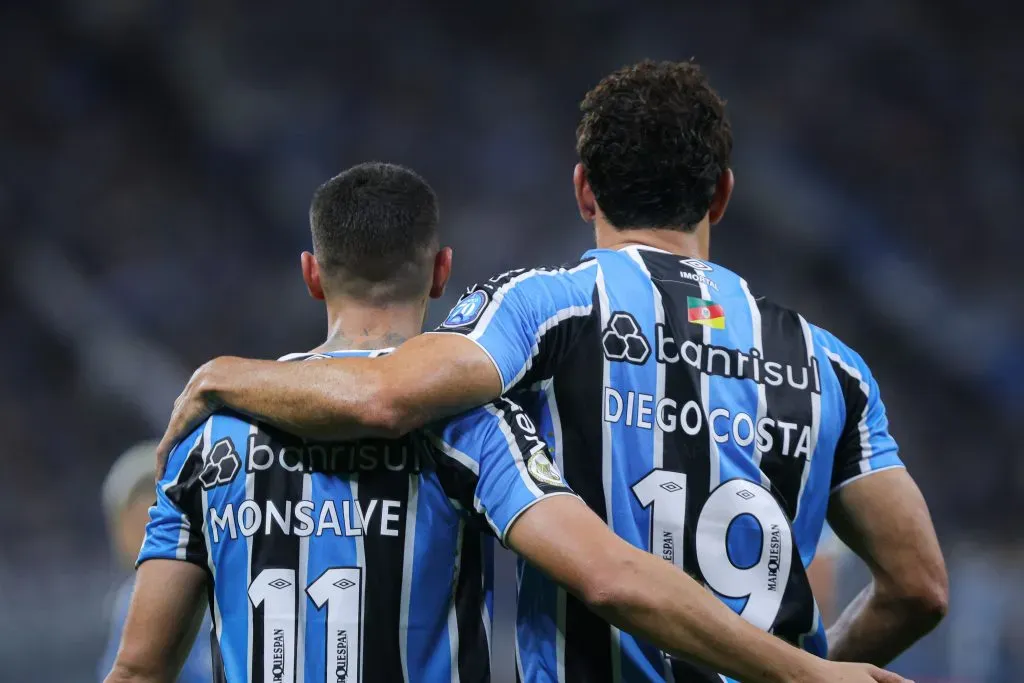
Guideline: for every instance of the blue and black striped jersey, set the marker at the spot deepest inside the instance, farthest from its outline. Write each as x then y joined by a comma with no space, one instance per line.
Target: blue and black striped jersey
703,424
349,562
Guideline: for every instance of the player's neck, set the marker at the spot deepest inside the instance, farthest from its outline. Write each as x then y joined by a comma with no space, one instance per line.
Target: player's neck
693,244
353,325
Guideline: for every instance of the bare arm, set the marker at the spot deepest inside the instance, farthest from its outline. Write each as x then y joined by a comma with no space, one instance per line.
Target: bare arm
883,518
651,598
426,378
166,611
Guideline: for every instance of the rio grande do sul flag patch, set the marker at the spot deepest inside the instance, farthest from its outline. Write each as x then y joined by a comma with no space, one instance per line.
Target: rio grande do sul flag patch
705,312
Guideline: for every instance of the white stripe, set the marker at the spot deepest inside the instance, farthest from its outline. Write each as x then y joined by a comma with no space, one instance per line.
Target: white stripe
560,595
814,626
545,327
714,466
453,620
862,423
517,452
250,482
762,399
454,453
606,467
815,414
186,525
300,636
865,474
217,625
659,395
408,558
499,295
360,562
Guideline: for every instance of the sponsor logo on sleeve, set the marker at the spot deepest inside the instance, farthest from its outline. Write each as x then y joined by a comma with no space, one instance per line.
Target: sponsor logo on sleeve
467,311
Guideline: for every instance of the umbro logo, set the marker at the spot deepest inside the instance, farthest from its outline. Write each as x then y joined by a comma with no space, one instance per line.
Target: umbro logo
623,340
696,264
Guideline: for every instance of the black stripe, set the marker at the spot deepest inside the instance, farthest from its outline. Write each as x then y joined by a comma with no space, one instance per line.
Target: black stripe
783,342
216,657
384,557
683,452
275,550
849,450
474,658
578,392
187,494
790,408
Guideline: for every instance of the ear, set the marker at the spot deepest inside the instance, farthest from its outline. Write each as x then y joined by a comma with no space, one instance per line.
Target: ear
442,271
723,192
584,195
311,276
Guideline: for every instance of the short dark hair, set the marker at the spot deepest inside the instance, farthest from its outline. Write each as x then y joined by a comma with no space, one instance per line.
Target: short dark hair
654,140
375,231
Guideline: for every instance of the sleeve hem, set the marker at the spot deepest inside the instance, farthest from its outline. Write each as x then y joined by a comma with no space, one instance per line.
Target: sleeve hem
515,517
501,375
846,482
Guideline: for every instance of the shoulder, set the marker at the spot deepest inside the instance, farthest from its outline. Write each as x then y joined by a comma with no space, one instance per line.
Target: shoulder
221,438
580,274
839,354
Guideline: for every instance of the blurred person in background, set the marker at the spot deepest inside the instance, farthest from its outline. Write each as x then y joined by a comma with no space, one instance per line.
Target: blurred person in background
127,496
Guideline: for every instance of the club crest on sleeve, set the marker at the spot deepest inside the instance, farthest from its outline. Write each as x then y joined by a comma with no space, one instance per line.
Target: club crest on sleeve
543,470
467,311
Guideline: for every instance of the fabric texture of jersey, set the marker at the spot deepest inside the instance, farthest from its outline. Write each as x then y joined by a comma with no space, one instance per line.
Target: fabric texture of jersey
363,562
701,423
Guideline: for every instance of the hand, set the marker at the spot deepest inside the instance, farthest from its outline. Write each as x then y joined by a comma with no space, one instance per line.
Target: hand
845,672
195,403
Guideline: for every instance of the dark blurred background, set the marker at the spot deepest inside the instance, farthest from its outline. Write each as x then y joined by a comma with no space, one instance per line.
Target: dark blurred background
157,158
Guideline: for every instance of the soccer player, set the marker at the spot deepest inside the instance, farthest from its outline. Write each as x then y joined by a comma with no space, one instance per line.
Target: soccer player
364,561
705,424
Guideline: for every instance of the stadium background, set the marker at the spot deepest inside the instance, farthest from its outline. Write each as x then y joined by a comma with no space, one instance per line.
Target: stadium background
157,158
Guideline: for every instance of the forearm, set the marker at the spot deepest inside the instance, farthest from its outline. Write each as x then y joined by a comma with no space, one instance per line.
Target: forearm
664,606
323,400
876,628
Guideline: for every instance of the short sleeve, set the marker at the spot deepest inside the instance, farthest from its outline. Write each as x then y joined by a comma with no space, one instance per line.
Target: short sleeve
174,531
492,461
525,320
865,445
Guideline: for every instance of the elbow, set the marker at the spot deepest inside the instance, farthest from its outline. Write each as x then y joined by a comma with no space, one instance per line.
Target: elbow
382,413
123,672
922,601
606,586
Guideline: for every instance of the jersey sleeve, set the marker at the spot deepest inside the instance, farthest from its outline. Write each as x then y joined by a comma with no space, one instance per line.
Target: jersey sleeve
492,462
865,445
525,320
174,531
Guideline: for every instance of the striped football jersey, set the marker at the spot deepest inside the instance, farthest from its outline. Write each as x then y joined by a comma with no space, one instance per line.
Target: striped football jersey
359,562
702,423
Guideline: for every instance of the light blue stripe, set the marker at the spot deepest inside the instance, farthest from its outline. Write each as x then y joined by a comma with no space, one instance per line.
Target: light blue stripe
629,289
230,557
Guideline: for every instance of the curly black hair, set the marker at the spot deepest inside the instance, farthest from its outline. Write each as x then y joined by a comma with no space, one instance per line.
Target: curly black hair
654,140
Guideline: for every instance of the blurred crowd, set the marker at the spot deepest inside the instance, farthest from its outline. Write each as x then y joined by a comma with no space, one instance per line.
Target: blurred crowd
157,160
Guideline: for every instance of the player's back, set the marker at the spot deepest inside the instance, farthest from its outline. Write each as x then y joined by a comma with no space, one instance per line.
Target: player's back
725,421
361,561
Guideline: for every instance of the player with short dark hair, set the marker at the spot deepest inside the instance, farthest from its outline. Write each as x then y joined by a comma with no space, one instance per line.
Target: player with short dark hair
366,561
711,427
